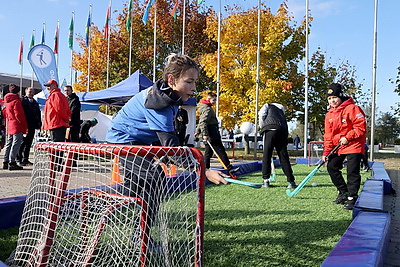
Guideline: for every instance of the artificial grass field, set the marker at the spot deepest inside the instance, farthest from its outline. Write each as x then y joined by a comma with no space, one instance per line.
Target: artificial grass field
263,227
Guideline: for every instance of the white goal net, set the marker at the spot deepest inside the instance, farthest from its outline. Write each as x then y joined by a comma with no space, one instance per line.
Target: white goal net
113,205
315,149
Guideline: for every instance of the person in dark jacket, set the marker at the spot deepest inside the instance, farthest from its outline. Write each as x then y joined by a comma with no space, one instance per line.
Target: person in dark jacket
274,129
75,106
33,118
16,127
180,124
207,129
84,136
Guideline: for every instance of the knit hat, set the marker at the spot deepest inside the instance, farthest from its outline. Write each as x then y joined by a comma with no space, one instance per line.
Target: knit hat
334,89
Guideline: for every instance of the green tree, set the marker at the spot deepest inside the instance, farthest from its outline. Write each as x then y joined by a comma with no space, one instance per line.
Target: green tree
321,74
387,128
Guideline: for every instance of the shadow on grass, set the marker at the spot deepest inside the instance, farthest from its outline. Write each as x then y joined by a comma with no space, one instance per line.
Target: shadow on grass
269,244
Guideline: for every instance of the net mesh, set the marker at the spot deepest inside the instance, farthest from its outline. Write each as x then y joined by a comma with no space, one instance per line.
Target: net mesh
315,149
113,205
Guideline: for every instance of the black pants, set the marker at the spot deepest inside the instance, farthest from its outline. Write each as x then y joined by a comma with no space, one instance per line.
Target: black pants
74,134
25,148
335,165
215,140
276,139
58,134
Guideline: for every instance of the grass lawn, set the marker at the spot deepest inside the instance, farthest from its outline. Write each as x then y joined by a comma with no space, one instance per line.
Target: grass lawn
263,227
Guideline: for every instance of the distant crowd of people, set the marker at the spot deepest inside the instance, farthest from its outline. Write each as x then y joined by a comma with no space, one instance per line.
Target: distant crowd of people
20,118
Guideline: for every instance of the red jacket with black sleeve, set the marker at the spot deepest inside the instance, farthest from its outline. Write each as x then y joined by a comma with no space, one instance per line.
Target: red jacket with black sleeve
346,120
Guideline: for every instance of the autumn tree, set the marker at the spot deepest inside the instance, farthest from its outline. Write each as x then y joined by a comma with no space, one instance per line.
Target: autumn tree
168,40
387,128
281,50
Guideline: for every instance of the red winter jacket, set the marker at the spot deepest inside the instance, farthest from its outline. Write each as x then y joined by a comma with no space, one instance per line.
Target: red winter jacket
56,111
347,120
14,113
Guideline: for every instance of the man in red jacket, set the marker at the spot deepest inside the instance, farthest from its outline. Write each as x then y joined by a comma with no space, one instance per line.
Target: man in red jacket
16,127
57,113
345,125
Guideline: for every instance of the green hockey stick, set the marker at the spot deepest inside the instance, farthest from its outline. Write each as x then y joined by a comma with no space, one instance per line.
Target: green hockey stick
239,182
308,178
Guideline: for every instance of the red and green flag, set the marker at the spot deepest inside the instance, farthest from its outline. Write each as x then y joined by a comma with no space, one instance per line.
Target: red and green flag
21,51
71,33
108,18
173,11
129,15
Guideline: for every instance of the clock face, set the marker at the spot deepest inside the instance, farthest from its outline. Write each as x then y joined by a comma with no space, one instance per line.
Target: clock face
41,57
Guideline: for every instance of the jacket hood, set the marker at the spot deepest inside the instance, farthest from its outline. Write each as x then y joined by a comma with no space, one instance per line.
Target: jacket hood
10,97
161,96
346,101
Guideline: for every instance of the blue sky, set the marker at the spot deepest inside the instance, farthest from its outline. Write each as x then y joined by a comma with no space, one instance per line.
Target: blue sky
342,28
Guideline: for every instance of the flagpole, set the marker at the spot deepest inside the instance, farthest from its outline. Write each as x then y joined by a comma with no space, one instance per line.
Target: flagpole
218,59
22,64
71,45
108,44
305,141
130,49
154,42
374,66
32,44
183,27
89,50
257,77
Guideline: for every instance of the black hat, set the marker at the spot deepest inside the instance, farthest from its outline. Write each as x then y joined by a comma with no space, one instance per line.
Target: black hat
334,89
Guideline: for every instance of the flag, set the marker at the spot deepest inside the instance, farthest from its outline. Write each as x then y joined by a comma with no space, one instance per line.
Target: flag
89,22
199,2
128,21
43,33
108,18
173,12
56,41
21,51
71,33
147,10
32,44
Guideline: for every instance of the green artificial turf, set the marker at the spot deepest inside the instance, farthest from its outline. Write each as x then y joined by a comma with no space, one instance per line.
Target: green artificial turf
265,227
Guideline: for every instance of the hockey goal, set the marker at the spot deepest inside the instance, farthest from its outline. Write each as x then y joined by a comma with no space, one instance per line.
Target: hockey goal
315,149
113,205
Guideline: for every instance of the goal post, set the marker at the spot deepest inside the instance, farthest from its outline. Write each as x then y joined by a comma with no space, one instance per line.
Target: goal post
315,149
113,205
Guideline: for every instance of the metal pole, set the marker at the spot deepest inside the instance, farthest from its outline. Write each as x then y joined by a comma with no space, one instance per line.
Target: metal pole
183,27
257,79
130,48
374,66
305,141
218,60
108,48
154,42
